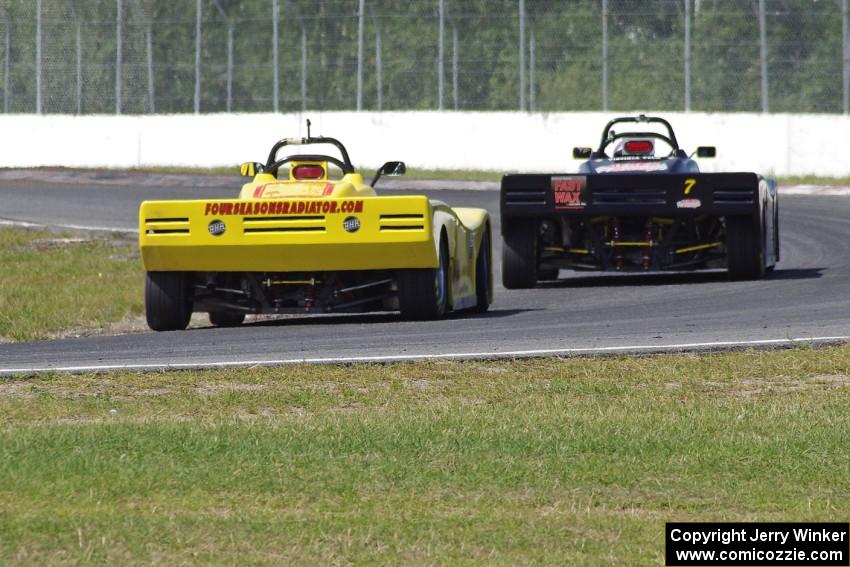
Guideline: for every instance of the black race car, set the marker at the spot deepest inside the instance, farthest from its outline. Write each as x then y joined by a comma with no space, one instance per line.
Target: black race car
639,203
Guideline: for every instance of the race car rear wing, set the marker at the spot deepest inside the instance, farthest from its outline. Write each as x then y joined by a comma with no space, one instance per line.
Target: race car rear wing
668,195
287,235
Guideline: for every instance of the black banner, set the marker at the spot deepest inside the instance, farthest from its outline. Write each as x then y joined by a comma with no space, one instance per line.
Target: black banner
745,544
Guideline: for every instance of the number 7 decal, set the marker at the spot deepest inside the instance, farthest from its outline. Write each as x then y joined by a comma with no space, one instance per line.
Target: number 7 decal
689,184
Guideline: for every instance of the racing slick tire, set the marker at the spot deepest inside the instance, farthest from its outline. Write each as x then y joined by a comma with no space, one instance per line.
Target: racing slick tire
772,267
423,294
226,318
519,255
483,276
745,248
168,305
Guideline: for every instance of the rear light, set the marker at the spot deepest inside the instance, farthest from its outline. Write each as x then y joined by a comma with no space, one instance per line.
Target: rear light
638,147
308,172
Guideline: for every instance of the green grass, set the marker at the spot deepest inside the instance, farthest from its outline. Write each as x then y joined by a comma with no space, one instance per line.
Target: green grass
814,180
47,285
501,463
453,175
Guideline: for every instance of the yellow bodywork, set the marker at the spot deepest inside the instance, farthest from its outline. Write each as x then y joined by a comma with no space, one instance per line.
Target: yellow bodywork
315,225
287,235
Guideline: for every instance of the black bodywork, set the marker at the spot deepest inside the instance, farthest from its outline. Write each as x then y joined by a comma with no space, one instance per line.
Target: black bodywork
637,213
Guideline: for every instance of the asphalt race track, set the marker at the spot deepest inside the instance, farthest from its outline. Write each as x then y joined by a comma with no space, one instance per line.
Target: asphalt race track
806,297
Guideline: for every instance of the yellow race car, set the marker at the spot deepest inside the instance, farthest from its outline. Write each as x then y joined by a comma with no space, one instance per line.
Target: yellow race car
308,235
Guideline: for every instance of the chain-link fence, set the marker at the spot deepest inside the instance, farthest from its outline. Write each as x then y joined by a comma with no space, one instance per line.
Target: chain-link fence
168,56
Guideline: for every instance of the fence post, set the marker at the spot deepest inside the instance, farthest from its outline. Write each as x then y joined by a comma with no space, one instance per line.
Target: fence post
198,17
229,65
845,49
149,46
379,70
361,15
687,55
303,67
38,57
440,55
6,67
275,57
522,55
454,67
532,63
763,55
229,21
119,22
605,55
79,90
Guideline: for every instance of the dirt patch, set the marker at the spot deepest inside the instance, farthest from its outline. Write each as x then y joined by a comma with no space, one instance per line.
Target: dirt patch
17,390
489,369
130,257
127,326
42,244
140,325
215,389
114,240
784,386
837,379
124,327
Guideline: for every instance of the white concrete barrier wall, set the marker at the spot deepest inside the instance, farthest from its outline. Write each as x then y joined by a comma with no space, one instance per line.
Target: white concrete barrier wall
779,144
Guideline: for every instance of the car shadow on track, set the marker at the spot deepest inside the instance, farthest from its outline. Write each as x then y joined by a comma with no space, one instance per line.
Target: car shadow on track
797,274
671,278
634,280
490,314
371,318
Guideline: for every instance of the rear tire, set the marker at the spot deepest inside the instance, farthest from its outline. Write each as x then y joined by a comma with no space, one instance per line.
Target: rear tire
519,255
168,305
226,318
484,276
745,248
423,294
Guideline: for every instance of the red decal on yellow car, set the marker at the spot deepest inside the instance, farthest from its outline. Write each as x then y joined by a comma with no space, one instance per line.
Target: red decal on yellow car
290,207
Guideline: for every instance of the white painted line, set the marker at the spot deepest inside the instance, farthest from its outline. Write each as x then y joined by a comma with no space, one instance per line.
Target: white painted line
814,190
26,224
631,349
438,185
